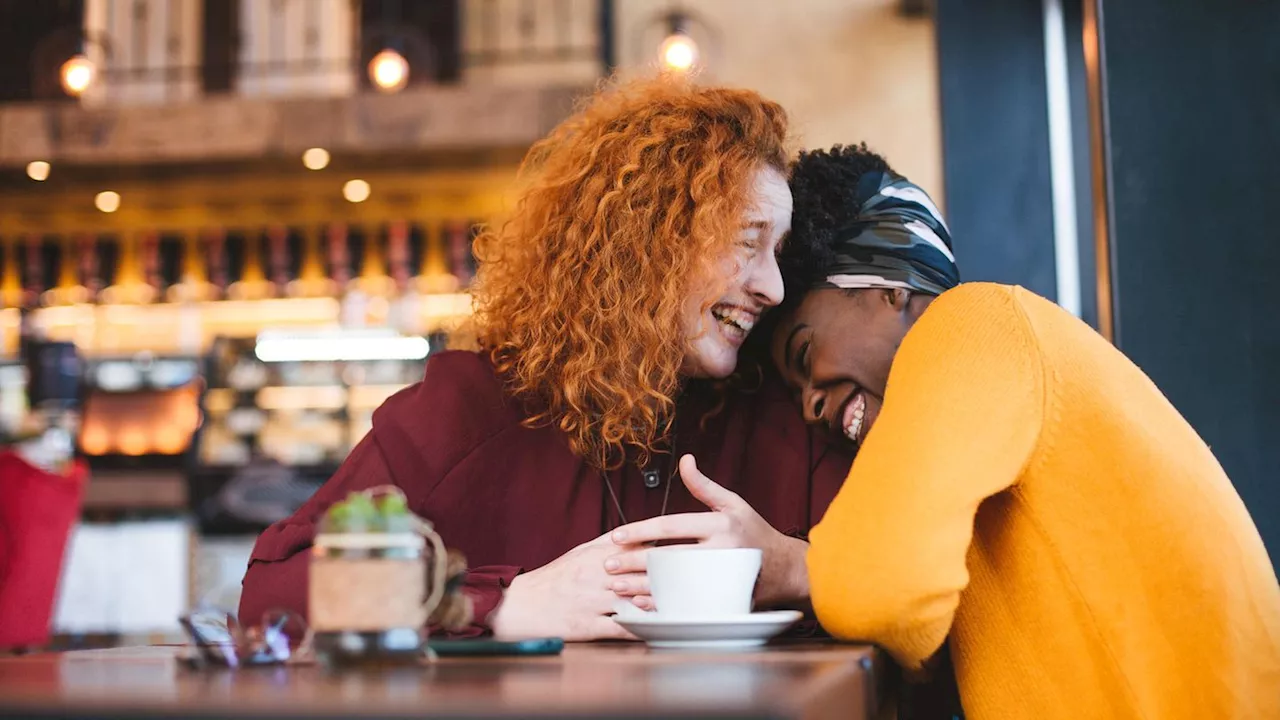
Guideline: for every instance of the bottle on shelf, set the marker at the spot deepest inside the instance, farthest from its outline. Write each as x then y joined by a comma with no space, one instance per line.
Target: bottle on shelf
217,267
253,283
405,313
434,275
193,282
33,284
312,280
69,290
130,286
11,291
279,258
462,262
373,279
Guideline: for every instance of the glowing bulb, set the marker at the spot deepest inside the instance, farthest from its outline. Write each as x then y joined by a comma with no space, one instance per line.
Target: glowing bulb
108,201
678,52
389,71
77,74
38,170
356,191
315,159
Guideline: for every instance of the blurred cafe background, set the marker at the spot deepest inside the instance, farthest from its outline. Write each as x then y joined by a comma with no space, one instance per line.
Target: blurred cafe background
230,228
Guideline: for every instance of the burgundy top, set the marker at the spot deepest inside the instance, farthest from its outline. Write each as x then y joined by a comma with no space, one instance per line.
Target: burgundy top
513,498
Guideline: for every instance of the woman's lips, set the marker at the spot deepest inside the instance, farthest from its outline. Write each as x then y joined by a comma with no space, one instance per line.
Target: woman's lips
734,322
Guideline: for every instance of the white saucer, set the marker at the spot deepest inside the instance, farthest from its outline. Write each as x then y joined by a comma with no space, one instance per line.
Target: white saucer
728,632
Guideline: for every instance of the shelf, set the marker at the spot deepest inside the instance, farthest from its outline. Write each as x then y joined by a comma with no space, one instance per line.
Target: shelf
136,490
189,328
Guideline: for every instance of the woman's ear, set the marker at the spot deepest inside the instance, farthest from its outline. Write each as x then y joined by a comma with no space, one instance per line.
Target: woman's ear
898,298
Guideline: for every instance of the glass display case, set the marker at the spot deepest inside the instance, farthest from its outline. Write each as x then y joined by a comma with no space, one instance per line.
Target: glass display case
282,411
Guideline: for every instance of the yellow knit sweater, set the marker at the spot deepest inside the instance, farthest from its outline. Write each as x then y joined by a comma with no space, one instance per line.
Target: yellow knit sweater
1029,490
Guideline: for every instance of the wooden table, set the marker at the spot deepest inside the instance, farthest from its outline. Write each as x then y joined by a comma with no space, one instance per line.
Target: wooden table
616,681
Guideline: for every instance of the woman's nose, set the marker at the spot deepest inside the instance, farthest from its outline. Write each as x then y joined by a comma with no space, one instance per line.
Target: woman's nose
765,283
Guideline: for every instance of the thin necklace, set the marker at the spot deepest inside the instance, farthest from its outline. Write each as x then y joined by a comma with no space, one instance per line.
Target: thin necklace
666,494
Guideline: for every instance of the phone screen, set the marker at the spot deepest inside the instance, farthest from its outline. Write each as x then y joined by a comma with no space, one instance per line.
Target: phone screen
464,648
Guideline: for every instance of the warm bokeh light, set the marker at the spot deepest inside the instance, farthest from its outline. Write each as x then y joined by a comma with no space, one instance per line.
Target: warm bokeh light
38,170
678,52
77,74
389,71
169,441
95,441
132,440
315,159
108,201
356,191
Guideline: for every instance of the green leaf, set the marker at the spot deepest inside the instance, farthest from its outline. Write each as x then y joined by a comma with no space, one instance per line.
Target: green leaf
393,504
362,513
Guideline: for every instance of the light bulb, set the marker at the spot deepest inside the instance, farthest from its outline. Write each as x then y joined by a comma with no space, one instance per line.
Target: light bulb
678,52
77,74
315,159
108,201
38,170
356,191
389,71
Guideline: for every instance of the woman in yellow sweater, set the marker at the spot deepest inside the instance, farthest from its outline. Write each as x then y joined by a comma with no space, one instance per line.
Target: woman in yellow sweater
1020,485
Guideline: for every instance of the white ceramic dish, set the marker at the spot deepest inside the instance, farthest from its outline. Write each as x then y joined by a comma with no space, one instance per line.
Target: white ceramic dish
726,632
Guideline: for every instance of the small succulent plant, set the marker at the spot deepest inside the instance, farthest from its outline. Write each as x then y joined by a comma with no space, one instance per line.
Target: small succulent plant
361,513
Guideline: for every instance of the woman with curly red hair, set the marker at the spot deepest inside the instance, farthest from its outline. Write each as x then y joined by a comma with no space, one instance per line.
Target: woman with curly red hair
640,253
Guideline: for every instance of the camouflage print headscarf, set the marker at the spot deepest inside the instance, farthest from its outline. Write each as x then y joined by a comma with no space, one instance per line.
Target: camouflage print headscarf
898,241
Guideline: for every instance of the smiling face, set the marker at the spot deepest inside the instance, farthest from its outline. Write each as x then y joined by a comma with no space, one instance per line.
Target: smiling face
748,281
835,348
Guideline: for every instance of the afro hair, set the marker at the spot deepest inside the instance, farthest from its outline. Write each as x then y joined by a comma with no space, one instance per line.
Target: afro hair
824,186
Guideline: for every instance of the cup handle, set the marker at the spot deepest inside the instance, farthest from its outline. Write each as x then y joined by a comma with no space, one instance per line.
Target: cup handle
439,568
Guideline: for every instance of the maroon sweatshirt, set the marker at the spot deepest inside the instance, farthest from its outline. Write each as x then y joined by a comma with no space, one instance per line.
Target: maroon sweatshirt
513,498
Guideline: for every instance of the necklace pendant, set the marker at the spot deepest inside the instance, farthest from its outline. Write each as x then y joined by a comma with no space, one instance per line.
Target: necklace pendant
652,478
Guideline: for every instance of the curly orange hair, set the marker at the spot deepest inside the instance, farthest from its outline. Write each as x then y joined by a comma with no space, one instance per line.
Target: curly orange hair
624,211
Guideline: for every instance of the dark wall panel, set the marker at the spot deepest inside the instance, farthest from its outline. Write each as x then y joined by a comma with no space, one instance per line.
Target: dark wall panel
220,45
1193,90
995,141
35,39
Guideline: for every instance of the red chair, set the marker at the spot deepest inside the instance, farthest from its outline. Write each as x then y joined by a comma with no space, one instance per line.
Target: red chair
37,511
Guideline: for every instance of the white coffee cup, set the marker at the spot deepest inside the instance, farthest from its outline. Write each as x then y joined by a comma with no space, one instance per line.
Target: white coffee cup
703,582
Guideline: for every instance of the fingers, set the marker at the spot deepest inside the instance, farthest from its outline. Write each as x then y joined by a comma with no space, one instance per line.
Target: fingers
605,539
644,602
686,526
630,585
634,561
704,489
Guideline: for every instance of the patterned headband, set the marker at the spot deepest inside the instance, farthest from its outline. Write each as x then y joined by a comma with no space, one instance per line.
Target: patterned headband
898,241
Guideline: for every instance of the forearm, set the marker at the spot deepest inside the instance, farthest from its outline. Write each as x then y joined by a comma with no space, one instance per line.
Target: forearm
795,593
892,578
786,579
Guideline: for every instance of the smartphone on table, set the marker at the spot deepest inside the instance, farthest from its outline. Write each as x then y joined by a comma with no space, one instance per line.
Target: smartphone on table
481,647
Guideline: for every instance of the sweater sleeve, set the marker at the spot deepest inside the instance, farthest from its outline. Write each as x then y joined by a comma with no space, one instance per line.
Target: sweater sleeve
278,567
961,418
404,451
